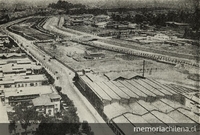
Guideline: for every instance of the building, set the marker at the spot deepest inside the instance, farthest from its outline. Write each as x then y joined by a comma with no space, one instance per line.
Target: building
18,69
120,89
94,56
13,96
47,104
16,60
12,55
23,81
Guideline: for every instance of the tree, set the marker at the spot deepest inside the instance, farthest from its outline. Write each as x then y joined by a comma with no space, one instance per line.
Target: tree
12,127
24,115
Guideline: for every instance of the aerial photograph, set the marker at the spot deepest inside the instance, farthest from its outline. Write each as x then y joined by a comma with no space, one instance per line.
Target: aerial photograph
99,67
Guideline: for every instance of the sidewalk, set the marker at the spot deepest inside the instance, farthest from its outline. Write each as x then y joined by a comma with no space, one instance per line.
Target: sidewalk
4,122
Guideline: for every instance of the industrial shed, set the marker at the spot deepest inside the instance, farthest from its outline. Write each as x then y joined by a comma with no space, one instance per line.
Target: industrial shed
122,76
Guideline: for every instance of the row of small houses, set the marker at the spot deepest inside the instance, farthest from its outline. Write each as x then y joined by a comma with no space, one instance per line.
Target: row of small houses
153,56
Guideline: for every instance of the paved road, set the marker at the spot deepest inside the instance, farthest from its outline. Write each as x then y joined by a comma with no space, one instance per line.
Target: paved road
52,25
85,110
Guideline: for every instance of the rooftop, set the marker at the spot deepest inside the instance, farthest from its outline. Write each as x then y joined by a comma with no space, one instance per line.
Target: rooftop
45,100
125,75
24,91
19,79
15,60
8,55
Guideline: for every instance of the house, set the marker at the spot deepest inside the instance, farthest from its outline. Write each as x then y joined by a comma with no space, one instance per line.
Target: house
47,104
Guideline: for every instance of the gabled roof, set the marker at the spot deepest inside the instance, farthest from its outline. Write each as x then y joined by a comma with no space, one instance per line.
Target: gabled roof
125,75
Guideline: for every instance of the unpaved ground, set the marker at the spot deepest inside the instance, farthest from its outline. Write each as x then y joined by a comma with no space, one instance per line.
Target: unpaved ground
72,55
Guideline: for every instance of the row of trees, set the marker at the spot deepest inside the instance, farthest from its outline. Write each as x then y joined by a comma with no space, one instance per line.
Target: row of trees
158,18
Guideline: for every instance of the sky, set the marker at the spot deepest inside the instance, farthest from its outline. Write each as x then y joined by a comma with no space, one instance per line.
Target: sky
99,2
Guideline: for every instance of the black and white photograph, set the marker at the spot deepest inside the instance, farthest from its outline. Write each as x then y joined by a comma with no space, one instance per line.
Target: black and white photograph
99,67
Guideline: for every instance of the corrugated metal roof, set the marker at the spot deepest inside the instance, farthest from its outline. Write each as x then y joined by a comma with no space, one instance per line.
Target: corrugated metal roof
150,88
133,89
118,91
125,89
163,86
141,88
107,90
157,87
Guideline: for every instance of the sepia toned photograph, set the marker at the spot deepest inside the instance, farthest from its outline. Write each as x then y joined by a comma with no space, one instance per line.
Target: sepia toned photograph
99,67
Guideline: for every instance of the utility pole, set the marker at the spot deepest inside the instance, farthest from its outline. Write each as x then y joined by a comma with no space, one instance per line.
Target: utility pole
143,68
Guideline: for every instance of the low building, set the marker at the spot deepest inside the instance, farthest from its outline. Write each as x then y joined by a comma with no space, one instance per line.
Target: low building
18,69
12,55
94,56
16,60
13,96
47,104
23,81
